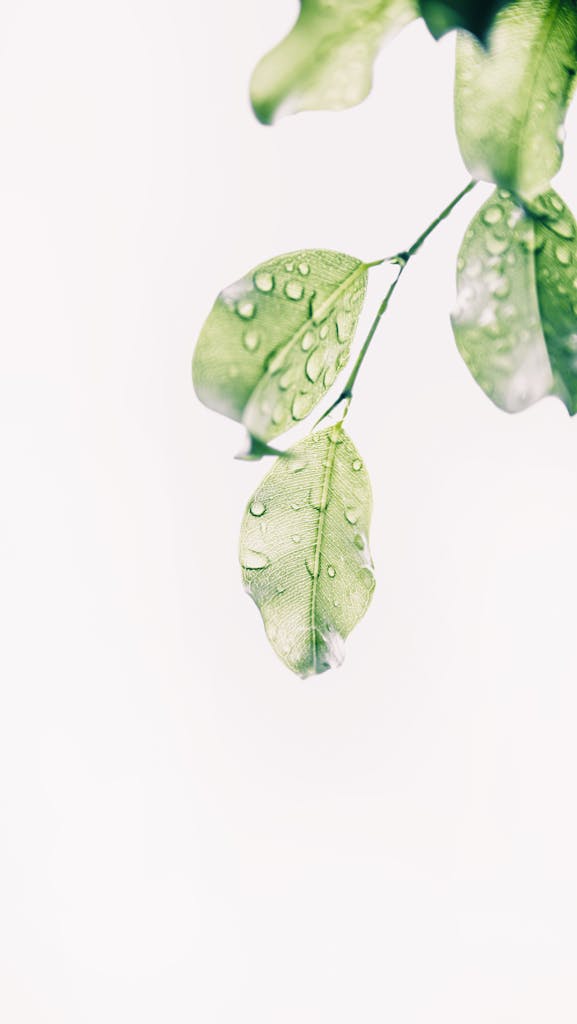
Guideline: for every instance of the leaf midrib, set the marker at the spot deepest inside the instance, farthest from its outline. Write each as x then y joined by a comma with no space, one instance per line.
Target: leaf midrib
311,322
326,482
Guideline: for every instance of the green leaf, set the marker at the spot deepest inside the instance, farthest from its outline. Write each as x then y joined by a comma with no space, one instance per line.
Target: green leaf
275,341
516,317
476,16
304,550
326,60
510,103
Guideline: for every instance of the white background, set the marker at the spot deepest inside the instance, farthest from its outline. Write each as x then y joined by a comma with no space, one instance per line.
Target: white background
187,832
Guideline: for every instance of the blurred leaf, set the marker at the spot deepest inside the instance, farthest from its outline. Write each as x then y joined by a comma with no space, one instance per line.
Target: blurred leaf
326,60
476,16
516,317
510,102
304,550
275,341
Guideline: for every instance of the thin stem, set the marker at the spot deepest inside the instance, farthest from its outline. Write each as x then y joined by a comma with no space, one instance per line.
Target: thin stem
402,258
444,213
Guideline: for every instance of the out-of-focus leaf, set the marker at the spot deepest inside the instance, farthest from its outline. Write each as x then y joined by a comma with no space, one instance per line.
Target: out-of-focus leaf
304,550
275,341
326,60
516,318
510,102
476,16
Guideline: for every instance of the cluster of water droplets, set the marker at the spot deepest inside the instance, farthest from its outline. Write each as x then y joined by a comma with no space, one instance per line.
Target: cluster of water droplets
513,265
310,327
287,543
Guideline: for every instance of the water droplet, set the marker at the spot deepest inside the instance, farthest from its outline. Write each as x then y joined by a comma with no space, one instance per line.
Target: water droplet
563,255
556,203
311,567
357,464
254,559
307,341
344,327
332,571
251,340
496,246
304,269
289,266
323,332
351,516
359,542
367,578
294,290
302,405
264,281
246,309
564,228
502,288
257,508
492,215
314,364
285,381
296,538
278,414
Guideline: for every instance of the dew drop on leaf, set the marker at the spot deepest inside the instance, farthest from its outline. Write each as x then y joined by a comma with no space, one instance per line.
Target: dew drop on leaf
264,281
304,269
255,559
294,290
315,364
563,254
302,405
492,215
496,246
367,578
251,340
307,341
332,571
257,508
357,464
246,309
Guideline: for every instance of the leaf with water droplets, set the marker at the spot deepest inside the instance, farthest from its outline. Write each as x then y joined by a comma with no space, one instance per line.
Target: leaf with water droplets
516,318
326,60
510,102
476,16
275,340
304,550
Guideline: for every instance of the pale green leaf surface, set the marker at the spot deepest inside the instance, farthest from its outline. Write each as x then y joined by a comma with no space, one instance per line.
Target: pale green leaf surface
275,341
511,101
326,60
516,318
304,550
